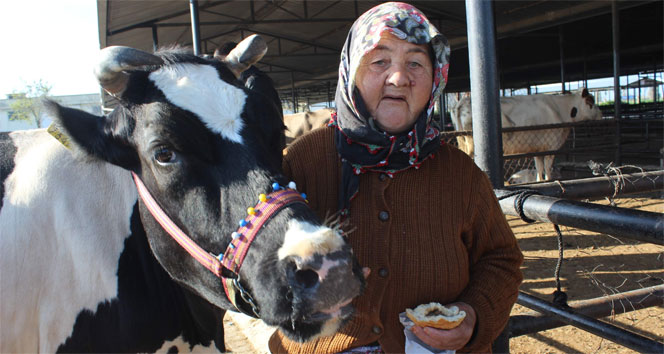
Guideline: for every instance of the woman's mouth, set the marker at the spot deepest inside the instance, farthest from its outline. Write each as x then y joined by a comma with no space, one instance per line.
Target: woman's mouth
396,98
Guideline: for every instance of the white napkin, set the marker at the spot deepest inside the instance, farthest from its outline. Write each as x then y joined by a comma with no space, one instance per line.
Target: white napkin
413,344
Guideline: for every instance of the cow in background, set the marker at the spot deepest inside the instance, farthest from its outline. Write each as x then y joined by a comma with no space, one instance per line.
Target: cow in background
540,109
86,266
298,124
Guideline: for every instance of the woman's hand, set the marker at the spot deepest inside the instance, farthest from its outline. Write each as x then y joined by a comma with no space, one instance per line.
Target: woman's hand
453,339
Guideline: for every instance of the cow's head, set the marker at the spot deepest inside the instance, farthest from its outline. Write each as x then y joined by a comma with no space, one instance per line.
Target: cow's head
584,107
199,141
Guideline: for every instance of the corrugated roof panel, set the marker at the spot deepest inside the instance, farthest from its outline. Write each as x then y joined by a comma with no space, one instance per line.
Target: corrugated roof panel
304,38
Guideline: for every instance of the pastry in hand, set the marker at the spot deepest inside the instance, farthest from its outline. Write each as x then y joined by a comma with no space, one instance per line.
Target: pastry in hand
436,315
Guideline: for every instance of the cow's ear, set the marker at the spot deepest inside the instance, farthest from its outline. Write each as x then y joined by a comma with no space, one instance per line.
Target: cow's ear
92,135
584,92
573,112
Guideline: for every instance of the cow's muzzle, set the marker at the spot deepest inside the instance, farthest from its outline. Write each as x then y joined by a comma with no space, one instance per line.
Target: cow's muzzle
322,288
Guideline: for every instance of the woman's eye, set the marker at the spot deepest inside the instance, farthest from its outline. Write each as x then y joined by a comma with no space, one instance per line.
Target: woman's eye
379,62
164,155
414,64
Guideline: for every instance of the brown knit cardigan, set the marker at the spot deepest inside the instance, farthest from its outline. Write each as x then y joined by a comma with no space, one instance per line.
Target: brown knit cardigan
432,234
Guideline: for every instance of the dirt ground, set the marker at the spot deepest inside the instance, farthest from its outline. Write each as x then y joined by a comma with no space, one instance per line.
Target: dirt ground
594,266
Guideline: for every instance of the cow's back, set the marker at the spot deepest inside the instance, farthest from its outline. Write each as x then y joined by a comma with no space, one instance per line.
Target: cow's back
63,226
298,124
528,110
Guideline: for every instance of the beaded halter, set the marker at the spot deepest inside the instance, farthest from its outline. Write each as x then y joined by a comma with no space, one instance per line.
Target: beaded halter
231,260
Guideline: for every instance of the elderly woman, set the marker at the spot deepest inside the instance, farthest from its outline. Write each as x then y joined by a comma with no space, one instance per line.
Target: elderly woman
419,213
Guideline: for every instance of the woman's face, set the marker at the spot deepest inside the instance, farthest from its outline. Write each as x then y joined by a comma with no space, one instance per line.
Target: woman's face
395,81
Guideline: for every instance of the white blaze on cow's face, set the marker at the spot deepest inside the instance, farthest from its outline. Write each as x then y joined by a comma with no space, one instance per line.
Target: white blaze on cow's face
303,240
199,89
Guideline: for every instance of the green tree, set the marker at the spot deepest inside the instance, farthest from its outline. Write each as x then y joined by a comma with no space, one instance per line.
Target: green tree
27,105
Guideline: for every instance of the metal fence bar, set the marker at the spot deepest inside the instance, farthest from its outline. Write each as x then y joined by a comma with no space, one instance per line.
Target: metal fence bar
599,123
596,327
534,322
604,122
599,186
599,307
637,225
557,152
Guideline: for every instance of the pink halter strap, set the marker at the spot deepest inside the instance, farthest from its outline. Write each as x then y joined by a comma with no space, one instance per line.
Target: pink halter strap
203,257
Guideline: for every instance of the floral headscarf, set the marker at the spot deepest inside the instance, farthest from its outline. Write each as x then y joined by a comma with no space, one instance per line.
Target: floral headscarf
361,146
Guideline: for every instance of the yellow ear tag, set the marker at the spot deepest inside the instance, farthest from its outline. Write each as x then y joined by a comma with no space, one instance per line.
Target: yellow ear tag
59,136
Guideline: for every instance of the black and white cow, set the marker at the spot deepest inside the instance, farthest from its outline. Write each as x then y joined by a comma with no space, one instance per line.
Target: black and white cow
85,267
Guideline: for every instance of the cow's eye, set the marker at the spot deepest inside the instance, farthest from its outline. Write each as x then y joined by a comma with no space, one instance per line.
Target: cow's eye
164,155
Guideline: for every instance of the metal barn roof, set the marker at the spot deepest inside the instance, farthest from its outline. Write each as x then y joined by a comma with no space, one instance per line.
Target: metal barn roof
305,37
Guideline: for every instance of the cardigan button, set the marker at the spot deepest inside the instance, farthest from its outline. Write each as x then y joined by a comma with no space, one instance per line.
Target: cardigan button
383,216
382,176
377,330
382,272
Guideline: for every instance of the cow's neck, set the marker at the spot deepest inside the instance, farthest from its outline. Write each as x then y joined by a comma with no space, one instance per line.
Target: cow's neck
157,310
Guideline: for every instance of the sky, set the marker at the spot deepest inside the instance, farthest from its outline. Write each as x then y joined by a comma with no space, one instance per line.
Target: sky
53,40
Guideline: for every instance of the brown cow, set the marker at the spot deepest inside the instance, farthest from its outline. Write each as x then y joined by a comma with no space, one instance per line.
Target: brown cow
299,124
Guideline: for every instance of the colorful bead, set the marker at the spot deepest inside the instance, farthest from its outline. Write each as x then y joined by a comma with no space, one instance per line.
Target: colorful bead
243,223
292,185
235,234
231,245
304,196
220,257
276,186
262,197
251,211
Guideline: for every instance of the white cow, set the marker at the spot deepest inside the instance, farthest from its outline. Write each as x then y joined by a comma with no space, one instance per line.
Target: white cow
540,109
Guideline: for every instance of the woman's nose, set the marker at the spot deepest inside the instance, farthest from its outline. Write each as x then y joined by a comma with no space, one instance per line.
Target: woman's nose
398,76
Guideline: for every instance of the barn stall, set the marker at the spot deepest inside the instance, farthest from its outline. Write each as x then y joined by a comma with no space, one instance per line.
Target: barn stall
606,270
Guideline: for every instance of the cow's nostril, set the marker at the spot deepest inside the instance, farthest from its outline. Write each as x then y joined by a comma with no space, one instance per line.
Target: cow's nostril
306,277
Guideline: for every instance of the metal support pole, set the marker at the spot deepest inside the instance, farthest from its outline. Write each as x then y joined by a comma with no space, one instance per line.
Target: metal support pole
615,25
292,78
442,103
155,39
195,26
561,41
602,329
484,89
633,224
329,97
